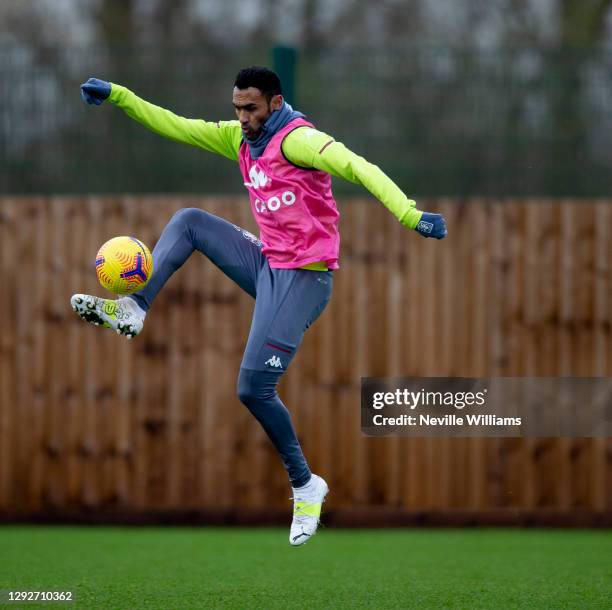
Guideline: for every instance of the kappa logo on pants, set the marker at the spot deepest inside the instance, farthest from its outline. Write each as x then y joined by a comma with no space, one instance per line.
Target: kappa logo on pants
274,361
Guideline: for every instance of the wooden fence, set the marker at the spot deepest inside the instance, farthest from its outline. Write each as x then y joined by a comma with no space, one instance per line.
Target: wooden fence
90,420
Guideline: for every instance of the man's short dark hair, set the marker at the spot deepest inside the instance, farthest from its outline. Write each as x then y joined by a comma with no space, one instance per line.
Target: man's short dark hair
263,79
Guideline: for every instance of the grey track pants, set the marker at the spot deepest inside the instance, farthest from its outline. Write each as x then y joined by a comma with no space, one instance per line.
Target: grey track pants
287,302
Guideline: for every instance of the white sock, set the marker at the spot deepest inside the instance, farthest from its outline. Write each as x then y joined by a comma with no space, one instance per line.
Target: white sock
137,310
307,487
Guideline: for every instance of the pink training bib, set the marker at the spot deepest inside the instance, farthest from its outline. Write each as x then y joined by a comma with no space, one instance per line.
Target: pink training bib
294,207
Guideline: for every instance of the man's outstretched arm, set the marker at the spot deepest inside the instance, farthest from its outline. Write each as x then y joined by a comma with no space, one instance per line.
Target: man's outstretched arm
222,137
308,147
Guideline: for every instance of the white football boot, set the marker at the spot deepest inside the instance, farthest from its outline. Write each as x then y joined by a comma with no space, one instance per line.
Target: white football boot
307,502
124,315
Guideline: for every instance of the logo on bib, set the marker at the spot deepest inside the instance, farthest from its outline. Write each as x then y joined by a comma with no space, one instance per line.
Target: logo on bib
258,178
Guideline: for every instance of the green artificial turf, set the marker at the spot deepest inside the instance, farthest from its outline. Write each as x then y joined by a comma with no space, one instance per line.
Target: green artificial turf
166,568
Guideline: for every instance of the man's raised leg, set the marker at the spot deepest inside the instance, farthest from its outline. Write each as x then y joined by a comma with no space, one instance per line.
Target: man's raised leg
235,251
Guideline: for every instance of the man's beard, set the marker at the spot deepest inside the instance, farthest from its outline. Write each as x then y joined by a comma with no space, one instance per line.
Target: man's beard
253,136
257,133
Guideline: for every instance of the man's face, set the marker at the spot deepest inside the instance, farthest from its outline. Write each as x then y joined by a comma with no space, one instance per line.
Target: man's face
252,109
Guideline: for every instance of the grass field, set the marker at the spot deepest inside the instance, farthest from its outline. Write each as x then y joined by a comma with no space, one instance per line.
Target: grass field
184,568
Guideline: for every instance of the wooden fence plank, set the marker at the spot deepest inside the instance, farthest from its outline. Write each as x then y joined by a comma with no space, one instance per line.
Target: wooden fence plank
9,414
603,342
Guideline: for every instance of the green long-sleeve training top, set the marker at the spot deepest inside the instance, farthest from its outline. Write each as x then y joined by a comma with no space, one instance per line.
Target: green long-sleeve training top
304,147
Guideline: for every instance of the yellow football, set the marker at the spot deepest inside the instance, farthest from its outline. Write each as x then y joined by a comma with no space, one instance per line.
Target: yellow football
124,265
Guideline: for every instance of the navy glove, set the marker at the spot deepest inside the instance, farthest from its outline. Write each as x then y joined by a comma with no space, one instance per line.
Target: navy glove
432,225
95,91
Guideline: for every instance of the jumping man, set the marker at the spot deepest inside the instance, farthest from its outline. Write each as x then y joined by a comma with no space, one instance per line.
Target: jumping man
286,166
